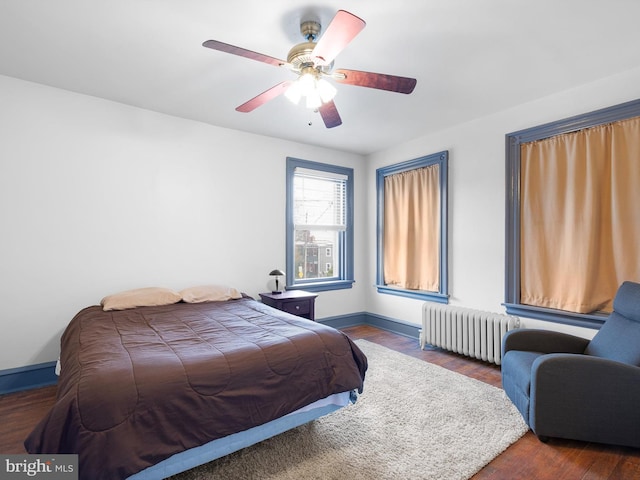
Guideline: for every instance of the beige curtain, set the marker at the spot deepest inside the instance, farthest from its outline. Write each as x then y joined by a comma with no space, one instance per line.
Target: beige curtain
412,229
580,217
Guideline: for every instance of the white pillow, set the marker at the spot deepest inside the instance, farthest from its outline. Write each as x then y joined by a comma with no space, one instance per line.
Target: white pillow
209,293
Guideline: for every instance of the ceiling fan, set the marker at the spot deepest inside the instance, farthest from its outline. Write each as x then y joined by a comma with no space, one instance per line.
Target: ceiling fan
312,61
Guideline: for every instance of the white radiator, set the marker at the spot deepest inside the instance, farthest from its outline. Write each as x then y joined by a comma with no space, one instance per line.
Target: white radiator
473,333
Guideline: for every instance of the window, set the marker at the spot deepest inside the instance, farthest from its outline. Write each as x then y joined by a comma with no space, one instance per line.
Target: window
319,226
572,208
412,228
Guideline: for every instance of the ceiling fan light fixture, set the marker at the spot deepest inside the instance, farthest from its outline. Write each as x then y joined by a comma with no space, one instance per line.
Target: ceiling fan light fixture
307,82
326,90
313,100
315,90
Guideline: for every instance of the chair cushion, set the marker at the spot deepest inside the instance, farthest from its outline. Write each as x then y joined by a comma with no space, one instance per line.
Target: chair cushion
516,378
618,339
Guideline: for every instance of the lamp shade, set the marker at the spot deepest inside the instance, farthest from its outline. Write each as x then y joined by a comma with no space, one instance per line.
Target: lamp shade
277,272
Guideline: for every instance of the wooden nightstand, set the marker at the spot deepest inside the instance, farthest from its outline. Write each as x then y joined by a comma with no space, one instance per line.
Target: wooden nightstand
296,302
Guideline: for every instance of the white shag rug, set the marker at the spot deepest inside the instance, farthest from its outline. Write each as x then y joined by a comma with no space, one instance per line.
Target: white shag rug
414,420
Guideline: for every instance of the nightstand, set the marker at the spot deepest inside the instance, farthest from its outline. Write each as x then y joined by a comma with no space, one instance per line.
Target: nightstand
296,302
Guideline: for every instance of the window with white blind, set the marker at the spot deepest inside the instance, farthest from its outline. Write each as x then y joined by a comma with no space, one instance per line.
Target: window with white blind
319,226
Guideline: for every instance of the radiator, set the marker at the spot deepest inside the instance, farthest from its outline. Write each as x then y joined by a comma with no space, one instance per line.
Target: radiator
473,333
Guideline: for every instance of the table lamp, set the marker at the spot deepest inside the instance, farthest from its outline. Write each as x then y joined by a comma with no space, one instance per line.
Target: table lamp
277,273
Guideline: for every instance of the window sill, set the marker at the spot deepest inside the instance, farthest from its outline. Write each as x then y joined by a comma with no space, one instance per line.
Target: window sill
588,320
322,286
417,294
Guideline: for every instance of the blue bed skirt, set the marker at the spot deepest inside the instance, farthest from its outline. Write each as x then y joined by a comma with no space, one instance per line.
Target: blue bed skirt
183,461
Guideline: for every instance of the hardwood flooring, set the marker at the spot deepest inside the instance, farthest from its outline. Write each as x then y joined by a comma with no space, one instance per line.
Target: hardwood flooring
526,459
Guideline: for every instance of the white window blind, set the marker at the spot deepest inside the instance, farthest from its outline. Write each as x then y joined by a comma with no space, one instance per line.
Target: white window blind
320,200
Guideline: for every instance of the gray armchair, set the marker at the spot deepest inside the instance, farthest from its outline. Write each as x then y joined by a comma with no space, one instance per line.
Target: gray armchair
569,387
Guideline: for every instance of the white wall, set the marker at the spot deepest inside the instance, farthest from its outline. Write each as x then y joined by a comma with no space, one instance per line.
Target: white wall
477,195
98,197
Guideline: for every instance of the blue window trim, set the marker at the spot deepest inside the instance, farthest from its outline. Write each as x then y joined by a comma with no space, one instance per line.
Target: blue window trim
345,278
442,160
512,227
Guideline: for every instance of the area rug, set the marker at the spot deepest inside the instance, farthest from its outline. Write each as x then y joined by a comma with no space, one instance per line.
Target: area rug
414,420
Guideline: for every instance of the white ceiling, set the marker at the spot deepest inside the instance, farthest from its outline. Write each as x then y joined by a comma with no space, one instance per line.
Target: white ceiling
470,57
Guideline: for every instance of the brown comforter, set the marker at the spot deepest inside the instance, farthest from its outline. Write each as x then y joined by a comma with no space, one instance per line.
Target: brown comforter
139,385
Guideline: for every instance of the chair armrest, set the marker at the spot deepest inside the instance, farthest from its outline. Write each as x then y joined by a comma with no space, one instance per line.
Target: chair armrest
585,398
543,341
566,372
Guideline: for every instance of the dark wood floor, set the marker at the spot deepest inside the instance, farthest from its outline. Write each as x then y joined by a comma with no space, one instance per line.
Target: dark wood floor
528,458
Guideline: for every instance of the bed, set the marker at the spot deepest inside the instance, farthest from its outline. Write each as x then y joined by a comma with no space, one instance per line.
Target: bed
149,391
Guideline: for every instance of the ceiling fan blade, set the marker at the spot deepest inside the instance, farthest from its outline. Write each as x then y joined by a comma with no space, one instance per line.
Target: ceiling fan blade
264,97
380,81
330,115
243,52
343,28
